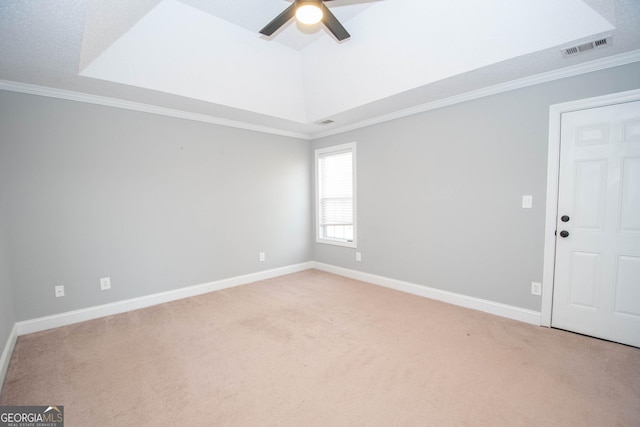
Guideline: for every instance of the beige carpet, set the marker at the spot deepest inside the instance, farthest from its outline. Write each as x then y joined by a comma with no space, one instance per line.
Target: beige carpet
314,349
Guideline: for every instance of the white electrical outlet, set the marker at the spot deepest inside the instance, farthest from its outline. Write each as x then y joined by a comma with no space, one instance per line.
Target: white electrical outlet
105,283
358,256
536,288
262,256
59,291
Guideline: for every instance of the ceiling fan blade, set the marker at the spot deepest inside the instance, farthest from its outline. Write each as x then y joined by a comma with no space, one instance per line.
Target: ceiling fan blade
332,23
279,20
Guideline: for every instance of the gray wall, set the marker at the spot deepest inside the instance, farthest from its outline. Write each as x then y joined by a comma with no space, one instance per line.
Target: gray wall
153,202
158,203
7,314
440,193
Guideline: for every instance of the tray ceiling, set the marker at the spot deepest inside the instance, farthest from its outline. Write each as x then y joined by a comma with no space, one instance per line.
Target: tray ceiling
207,58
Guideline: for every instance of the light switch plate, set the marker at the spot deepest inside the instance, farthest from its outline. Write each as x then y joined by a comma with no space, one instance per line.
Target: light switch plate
536,288
527,202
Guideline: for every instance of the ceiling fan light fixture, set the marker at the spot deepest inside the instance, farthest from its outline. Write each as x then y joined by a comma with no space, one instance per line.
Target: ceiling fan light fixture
308,12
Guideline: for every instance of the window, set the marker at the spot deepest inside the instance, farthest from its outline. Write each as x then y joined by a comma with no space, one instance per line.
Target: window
336,195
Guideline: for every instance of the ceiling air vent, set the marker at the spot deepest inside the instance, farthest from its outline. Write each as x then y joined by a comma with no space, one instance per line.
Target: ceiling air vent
596,44
326,122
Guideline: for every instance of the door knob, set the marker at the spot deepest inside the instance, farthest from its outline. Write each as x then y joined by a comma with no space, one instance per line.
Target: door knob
564,233
565,218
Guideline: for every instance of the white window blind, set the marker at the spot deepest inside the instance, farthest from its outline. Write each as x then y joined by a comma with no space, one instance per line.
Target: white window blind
336,191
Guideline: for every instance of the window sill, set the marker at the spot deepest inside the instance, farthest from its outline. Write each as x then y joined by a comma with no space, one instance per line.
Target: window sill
342,243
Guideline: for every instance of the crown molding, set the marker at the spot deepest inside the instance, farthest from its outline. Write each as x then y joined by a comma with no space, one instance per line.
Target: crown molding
141,107
571,71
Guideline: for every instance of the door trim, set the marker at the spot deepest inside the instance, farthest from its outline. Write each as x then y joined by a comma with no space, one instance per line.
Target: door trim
553,169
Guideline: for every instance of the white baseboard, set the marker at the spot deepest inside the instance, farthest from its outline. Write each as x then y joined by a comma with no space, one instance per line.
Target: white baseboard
504,310
76,316
6,354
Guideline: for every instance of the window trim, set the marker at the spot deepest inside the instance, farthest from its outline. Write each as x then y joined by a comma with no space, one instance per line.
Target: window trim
351,146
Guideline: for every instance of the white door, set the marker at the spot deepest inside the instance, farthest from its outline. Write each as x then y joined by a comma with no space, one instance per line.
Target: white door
597,275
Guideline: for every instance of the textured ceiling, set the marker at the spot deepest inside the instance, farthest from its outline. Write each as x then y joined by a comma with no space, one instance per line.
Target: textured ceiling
206,57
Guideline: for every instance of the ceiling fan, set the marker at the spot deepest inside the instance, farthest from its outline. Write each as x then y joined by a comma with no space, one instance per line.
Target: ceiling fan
308,12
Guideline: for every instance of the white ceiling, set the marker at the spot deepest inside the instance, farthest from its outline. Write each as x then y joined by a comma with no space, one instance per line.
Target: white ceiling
206,57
